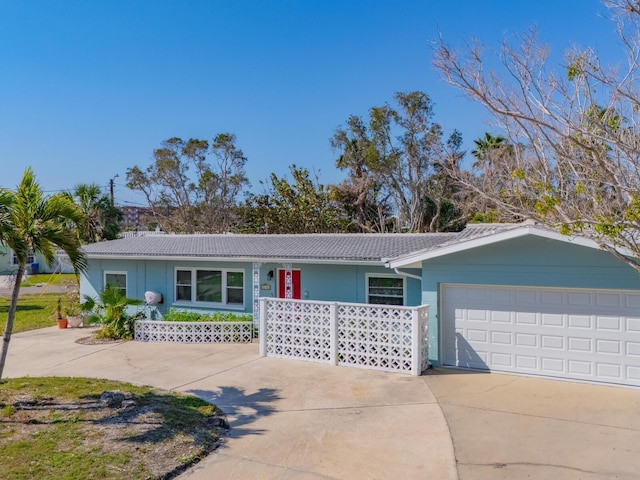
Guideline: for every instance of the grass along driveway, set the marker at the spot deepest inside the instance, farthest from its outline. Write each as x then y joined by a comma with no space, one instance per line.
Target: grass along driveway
34,311
68,428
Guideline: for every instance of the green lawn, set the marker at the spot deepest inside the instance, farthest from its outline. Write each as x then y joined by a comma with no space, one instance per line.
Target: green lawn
34,311
50,278
55,428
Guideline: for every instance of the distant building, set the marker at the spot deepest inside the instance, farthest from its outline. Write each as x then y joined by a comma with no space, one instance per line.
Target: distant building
135,216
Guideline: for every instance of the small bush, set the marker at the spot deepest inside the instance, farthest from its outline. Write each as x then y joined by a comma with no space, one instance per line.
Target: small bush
177,315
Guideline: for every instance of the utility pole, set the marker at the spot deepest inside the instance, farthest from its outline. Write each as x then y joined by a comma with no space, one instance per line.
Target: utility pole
111,189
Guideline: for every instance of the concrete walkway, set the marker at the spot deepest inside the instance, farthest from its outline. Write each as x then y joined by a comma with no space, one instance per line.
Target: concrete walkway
289,419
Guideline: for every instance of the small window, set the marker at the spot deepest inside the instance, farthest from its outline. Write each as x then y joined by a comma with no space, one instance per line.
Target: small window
223,287
235,288
384,290
30,258
183,285
118,279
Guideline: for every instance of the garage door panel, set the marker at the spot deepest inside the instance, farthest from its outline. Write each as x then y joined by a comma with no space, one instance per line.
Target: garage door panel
527,363
501,360
500,317
632,301
527,340
526,318
633,349
610,371
580,334
552,320
552,365
633,374
633,325
579,368
579,321
579,344
552,341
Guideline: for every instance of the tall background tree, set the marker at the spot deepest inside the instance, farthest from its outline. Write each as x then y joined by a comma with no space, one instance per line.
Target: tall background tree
395,164
185,192
31,222
364,194
575,165
302,205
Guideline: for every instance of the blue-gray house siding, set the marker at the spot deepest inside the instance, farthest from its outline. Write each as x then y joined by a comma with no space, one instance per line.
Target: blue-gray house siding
530,260
326,282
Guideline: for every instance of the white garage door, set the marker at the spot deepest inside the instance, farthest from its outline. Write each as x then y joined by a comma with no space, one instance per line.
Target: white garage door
569,333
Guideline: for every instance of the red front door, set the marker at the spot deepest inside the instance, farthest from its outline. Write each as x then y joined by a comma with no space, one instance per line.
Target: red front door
295,284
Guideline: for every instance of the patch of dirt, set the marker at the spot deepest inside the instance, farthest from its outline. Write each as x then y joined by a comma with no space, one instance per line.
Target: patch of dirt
137,426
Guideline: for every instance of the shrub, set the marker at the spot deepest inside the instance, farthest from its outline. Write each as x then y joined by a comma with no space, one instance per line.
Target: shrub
111,312
177,315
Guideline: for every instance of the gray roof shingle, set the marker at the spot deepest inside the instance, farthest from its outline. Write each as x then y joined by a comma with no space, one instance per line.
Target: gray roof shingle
306,247
339,247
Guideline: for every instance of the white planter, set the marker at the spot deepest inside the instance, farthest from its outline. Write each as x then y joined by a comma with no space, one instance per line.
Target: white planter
74,321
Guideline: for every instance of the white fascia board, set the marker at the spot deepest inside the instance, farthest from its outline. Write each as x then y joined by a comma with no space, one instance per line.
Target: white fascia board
183,258
415,260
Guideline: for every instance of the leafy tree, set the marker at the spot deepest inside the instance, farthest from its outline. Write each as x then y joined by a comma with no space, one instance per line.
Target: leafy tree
575,166
101,218
228,181
363,195
31,222
185,192
301,206
395,162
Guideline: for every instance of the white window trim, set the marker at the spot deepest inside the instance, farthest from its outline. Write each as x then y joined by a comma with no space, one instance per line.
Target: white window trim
223,304
116,272
14,260
385,275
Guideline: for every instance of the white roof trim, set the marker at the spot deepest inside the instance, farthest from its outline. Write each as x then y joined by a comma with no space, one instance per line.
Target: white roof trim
195,258
415,259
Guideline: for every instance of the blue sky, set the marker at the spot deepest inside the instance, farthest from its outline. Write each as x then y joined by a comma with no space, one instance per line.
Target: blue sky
91,88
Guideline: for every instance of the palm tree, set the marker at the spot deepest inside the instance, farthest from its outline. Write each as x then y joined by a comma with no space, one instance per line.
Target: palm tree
31,222
102,218
484,148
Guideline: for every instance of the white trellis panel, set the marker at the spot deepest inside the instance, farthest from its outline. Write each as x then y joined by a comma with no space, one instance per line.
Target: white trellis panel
193,332
298,329
376,338
380,337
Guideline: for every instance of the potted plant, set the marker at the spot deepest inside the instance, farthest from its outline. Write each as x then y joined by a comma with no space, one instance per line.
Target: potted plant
74,317
62,322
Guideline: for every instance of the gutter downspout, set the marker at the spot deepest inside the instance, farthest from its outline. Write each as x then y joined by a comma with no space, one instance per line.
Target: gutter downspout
419,278
410,275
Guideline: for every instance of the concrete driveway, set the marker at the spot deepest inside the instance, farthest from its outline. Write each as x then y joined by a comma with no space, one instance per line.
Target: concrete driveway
289,419
512,427
299,420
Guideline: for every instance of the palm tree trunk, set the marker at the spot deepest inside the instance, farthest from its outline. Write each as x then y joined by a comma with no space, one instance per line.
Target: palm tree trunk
8,329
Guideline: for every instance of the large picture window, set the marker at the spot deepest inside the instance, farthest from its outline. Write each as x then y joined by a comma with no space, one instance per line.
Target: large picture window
385,290
200,285
118,279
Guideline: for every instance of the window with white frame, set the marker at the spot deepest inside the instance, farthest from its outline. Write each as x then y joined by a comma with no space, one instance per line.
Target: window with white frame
385,289
210,286
117,279
30,258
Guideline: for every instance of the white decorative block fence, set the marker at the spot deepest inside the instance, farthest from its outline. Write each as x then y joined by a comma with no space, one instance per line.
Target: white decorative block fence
380,337
193,332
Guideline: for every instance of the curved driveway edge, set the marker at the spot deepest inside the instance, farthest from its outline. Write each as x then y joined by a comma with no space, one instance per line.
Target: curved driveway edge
509,426
289,419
